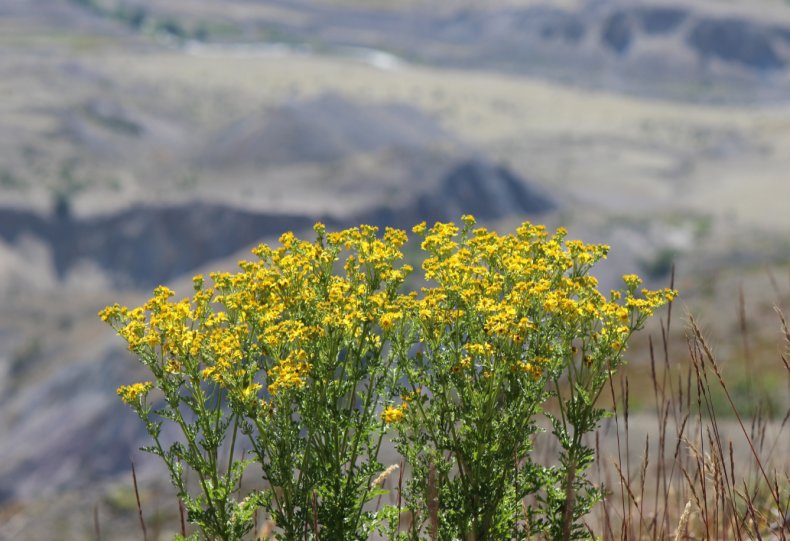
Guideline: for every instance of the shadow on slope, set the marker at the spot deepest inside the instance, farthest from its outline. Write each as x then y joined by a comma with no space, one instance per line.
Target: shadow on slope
325,129
145,246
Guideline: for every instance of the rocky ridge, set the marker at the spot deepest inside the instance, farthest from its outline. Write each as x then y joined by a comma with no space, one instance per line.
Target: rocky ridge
145,245
657,48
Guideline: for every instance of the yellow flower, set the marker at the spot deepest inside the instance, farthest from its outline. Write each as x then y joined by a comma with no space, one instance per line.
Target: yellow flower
388,320
197,281
531,369
289,373
131,393
173,367
632,280
250,391
209,373
392,415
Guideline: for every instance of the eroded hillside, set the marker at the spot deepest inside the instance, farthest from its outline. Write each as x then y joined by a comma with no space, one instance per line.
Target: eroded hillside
143,142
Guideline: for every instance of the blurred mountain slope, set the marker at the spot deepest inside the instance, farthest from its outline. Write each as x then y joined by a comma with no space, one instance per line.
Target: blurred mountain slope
656,48
145,141
326,129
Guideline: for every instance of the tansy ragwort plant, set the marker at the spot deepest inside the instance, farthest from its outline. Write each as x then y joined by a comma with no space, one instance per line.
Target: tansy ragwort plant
308,353
508,322
290,354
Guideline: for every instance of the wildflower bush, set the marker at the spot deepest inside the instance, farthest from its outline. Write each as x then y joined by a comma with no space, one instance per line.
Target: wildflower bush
309,356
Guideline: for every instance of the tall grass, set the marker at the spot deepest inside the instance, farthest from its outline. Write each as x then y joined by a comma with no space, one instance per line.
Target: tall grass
705,472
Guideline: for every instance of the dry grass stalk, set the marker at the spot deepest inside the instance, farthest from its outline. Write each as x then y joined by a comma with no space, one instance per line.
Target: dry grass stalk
139,506
682,530
433,503
379,481
712,360
697,471
400,493
315,516
182,518
266,531
96,529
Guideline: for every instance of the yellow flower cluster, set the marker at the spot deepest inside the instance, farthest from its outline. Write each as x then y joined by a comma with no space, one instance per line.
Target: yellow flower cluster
309,344
130,394
289,373
499,300
262,326
159,322
392,415
515,296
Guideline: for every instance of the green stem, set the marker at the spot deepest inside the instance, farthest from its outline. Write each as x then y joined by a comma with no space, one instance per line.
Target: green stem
195,452
367,489
372,386
232,444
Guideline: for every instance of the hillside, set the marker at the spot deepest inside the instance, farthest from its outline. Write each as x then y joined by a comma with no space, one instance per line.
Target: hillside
144,141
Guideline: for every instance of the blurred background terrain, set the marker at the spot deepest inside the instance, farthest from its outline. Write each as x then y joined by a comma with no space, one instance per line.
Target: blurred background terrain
142,142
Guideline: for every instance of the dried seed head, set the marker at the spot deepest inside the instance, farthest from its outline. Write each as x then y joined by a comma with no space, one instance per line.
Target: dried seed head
378,481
